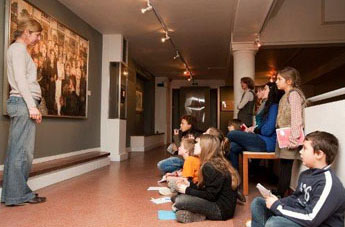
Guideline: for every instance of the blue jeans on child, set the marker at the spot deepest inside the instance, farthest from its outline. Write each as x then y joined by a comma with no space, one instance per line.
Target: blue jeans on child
170,165
242,141
18,161
262,216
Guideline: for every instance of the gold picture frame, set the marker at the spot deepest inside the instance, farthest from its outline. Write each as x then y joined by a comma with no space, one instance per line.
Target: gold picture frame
61,57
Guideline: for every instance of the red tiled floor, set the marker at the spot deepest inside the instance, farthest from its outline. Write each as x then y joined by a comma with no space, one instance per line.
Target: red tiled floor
111,196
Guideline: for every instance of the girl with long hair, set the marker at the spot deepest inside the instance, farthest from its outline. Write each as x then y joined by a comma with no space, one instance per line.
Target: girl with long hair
290,114
215,195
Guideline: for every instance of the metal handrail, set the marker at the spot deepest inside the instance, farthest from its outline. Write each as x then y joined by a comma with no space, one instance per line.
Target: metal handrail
327,95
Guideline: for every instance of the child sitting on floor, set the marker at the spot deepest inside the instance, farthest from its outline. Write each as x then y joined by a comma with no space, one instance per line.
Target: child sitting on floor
234,124
215,195
319,199
191,165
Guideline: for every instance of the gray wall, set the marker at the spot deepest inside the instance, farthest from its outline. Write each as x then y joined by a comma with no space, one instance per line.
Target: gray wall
226,93
149,107
60,135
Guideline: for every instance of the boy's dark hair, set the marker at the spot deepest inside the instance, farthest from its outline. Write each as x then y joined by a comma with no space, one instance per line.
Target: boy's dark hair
190,120
259,88
236,123
325,142
249,81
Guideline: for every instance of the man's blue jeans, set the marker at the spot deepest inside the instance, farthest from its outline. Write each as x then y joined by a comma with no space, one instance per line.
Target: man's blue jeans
171,164
242,141
19,155
262,216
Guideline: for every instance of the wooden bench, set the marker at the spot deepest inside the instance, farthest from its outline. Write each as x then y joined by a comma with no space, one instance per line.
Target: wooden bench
252,155
57,164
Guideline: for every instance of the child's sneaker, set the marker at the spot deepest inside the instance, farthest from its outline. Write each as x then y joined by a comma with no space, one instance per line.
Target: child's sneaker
241,197
249,223
185,216
173,208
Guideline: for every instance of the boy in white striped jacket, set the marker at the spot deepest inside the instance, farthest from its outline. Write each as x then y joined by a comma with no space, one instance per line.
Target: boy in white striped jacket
319,199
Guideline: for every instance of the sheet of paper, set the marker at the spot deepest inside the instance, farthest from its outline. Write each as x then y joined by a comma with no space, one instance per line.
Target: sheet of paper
154,188
161,200
166,215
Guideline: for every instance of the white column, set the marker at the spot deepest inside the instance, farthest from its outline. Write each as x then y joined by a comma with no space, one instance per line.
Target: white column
244,66
113,131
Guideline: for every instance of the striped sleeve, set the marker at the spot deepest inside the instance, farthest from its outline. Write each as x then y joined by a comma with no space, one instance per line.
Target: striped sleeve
318,208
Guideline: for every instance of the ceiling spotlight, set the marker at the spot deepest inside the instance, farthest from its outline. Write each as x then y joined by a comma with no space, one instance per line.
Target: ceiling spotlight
177,55
165,38
186,72
257,41
148,8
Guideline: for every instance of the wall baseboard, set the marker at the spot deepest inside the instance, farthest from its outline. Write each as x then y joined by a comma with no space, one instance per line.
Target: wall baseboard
65,155
118,157
54,177
146,148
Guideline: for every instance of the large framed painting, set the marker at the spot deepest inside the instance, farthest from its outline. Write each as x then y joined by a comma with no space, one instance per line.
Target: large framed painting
61,57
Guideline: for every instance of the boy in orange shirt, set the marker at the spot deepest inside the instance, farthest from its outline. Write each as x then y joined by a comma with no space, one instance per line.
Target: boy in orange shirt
191,165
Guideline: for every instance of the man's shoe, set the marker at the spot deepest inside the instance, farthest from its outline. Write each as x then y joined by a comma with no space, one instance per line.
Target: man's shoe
185,216
16,205
241,197
36,200
23,204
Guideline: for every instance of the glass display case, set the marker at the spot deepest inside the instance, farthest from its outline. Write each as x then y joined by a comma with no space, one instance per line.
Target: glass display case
118,90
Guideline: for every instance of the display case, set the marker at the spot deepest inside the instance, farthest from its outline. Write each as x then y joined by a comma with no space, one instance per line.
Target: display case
118,90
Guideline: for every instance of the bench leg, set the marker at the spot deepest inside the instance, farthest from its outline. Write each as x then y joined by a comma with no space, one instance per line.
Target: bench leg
245,175
240,167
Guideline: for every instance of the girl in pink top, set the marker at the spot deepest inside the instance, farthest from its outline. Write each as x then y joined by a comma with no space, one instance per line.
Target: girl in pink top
290,114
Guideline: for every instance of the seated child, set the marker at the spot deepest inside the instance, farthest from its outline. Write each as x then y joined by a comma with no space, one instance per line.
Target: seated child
214,197
225,146
224,142
234,124
319,199
191,165
187,129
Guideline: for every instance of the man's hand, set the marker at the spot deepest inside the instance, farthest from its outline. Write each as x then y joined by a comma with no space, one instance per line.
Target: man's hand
270,200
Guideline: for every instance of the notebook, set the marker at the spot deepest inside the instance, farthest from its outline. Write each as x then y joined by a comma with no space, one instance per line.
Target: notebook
264,191
283,135
166,215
